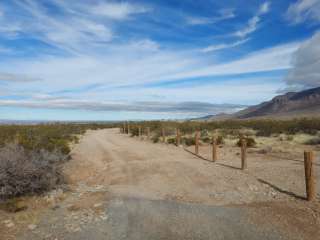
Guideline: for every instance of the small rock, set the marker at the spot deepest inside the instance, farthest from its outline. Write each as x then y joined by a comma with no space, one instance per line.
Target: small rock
97,205
9,224
73,208
32,227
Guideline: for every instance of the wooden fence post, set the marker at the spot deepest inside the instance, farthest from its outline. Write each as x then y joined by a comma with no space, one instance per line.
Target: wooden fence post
148,133
243,154
139,129
124,128
163,135
309,175
178,137
128,126
214,149
197,143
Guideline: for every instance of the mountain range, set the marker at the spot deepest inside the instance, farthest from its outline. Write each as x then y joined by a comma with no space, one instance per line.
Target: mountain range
292,104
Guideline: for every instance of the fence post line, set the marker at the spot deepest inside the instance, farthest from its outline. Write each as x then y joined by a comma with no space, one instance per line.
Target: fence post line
148,133
214,149
243,154
163,135
178,137
197,143
140,132
309,175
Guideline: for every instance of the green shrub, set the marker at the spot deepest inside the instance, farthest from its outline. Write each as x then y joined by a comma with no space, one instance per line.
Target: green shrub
204,133
171,140
206,139
189,141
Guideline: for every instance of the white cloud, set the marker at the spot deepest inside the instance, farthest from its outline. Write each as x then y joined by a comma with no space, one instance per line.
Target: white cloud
200,108
224,14
9,77
130,65
67,31
303,10
250,28
74,26
306,65
264,8
253,22
275,58
118,11
217,47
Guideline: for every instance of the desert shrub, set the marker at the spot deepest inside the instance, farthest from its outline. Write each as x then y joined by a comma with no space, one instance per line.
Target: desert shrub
134,131
189,141
264,133
46,136
24,171
262,127
229,132
155,138
290,138
171,140
204,133
251,142
313,141
206,139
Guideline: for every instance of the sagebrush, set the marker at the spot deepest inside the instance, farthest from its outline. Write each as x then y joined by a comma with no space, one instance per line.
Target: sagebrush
24,171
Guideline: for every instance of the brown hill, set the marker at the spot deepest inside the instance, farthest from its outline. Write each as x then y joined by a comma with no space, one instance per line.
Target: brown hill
290,104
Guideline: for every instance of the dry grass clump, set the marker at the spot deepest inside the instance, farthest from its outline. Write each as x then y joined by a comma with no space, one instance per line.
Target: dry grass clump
24,172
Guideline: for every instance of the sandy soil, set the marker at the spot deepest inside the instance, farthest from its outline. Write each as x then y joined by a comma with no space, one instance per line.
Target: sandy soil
159,171
106,165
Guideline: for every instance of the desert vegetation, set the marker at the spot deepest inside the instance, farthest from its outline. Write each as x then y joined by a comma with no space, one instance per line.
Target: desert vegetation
233,129
31,156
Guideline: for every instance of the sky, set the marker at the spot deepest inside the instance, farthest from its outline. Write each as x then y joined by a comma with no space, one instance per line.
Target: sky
143,59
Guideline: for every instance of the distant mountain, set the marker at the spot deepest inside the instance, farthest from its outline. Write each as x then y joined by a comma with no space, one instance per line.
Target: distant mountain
292,104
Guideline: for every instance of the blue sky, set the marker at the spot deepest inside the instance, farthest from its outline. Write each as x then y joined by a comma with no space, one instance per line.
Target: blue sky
117,60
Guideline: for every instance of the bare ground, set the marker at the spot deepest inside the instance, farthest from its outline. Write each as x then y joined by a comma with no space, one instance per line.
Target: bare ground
127,188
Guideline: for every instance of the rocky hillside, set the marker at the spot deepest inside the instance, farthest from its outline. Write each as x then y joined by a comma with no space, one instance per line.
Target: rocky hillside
293,103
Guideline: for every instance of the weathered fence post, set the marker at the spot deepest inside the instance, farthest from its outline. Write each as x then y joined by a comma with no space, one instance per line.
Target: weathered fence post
124,128
197,143
128,128
139,129
178,137
148,133
243,153
309,175
214,149
163,135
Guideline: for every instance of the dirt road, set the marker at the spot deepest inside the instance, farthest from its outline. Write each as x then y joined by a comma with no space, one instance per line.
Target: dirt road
126,188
